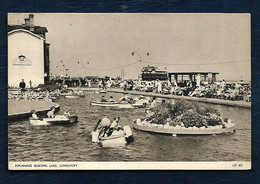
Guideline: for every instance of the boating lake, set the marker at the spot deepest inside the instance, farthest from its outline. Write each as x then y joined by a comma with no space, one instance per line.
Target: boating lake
73,143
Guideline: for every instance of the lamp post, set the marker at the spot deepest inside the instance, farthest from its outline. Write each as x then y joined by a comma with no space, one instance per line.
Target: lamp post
64,70
122,74
140,57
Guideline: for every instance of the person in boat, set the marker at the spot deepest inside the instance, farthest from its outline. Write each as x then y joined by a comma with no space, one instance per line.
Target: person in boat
50,114
103,126
111,99
163,101
153,104
34,115
124,98
103,99
67,113
114,126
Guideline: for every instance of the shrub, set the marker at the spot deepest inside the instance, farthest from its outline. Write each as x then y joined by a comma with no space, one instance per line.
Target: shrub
185,113
161,113
213,120
191,118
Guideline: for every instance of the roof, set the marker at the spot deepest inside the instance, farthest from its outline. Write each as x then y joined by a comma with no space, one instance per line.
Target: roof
149,68
26,31
37,29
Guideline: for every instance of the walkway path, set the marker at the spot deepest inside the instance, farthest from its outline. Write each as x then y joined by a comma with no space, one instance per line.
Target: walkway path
22,108
152,94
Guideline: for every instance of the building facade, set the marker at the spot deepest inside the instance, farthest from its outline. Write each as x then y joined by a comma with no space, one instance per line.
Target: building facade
150,73
182,77
28,54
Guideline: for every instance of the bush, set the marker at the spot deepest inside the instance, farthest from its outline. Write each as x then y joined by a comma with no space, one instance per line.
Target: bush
161,113
185,113
191,118
213,120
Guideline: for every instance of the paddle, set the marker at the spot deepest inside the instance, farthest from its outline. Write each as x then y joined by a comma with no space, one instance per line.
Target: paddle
97,125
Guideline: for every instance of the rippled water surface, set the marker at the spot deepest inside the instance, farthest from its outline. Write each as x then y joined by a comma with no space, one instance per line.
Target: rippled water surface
73,143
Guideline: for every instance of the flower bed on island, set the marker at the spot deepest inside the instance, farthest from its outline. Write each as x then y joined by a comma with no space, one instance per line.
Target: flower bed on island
184,117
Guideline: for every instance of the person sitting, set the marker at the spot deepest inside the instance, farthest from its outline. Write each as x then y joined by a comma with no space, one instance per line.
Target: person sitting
103,125
50,114
125,98
34,115
163,102
111,99
153,104
67,113
103,99
114,126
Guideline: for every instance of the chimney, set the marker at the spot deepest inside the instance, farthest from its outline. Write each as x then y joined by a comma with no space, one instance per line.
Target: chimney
27,22
31,22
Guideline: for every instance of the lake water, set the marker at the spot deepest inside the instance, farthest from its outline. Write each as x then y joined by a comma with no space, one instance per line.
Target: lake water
73,143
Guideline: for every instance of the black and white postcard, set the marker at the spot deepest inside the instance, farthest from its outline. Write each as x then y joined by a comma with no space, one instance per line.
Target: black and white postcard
109,91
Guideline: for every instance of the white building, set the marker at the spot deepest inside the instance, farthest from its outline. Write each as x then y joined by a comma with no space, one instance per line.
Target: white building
28,54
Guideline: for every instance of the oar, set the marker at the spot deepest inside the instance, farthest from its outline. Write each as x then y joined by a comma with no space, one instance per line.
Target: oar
97,125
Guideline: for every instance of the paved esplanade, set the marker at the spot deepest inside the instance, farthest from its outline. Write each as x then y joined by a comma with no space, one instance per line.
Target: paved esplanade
152,94
22,107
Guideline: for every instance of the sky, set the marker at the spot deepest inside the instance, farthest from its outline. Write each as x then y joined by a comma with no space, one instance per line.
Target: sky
102,44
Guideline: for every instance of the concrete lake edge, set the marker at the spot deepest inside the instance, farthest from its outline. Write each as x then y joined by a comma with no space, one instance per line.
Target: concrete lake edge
216,101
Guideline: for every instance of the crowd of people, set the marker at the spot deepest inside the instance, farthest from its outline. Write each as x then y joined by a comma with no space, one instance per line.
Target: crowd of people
221,90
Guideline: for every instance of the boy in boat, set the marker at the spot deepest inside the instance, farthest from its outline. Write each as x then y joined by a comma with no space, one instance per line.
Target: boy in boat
153,104
50,114
67,113
114,126
34,115
103,99
103,126
111,99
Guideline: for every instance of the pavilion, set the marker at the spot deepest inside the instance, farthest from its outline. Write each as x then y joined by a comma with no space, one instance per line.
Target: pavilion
197,77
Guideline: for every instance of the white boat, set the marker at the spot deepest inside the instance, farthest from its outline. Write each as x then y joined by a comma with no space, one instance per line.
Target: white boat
141,101
118,138
75,96
113,104
125,106
57,120
104,104
100,91
138,104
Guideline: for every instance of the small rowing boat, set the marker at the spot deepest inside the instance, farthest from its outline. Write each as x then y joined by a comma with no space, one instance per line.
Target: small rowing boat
75,96
104,104
100,91
125,106
57,120
118,138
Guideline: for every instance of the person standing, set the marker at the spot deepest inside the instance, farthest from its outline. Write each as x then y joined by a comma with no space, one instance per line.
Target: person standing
159,87
22,85
30,82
